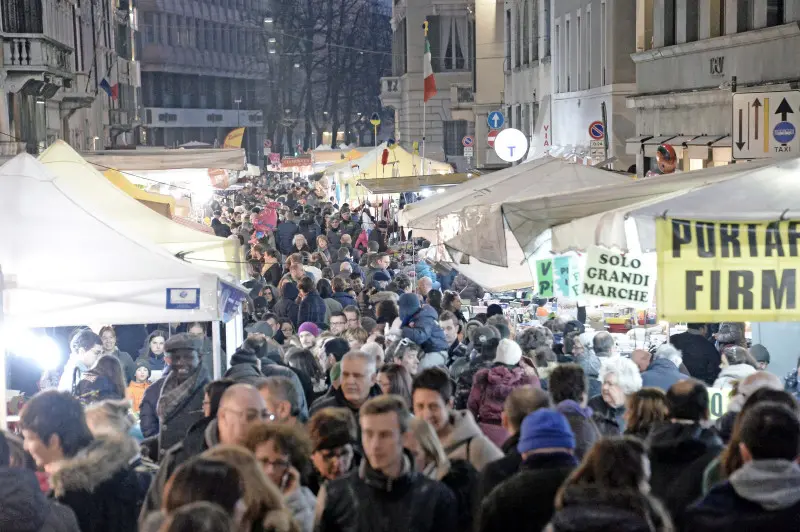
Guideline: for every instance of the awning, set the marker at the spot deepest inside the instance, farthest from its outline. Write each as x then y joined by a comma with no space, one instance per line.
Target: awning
699,147
633,146
651,145
396,185
722,150
150,159
679,143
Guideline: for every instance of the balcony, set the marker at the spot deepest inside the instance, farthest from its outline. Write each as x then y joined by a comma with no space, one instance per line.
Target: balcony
391,91
29,57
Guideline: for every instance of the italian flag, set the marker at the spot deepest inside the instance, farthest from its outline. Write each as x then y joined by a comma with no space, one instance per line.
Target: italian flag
430,81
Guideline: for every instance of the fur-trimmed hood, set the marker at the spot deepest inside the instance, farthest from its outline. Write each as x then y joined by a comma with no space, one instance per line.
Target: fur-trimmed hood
97,463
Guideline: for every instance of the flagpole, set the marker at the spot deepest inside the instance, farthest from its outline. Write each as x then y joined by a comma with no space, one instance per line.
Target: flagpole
424,101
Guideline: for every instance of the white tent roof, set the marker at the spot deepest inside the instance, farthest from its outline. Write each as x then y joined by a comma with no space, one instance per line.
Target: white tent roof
87,187
226,159
401,162
64,265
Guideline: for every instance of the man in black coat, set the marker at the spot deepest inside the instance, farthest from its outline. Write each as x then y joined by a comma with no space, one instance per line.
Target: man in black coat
681,450
700,356
520,403
527,499
284,234
386,493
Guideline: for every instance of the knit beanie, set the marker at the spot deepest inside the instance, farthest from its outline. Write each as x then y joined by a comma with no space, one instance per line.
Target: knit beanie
408,304
309,327
545,429
508,352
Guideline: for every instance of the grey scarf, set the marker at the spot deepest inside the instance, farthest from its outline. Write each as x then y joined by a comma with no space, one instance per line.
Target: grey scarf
174,393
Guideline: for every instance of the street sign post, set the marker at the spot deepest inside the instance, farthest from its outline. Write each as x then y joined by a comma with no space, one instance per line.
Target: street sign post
596,130
496,120
765,124
491,137
469,151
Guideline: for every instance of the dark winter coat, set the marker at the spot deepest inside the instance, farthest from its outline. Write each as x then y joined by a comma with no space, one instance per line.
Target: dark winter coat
312,309
366,501
492,386
26,509
679,454
310,230
583,426
148,419
244,373
526,499
271,368
284,234
467,289
190,411
609,420
500,470
334,237
273,274
464,382
591,508
153,362
344,299
762,495
287,308
700,356
101,485
423,329
661,374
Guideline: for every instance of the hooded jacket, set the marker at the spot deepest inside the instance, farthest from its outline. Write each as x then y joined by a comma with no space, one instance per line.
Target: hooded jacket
731,374
679,454
101,486
761,495
26,509
591,508
423,329
467,442
700,356
583,427
344,299
286,307
662,374
491,387
367,501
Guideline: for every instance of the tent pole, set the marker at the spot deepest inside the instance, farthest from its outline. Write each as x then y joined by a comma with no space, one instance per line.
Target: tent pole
216,347
3,383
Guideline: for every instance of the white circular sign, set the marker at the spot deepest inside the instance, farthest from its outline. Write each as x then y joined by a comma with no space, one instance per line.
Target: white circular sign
511,145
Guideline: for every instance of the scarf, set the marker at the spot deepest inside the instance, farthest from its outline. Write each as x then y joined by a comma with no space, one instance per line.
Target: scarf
173,393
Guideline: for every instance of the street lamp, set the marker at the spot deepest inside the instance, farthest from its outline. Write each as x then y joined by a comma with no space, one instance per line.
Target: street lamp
238,101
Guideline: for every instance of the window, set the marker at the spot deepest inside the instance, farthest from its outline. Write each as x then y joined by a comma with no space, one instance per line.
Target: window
518,123
172,31
557,59
149,29
535,32
518,38
526,120
399,50
526,32
744,15
546,16
775,12
454,131
450,43
508,40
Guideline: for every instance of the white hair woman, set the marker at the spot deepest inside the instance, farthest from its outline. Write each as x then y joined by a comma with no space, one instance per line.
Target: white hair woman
620,378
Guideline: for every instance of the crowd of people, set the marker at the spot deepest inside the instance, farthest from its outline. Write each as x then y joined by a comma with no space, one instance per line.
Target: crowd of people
362,400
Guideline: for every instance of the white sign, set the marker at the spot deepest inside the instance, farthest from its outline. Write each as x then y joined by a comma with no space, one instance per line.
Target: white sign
469,151
765,124
597,149
613,276
511,145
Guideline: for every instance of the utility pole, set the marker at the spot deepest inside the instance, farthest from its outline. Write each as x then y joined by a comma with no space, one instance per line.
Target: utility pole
238,102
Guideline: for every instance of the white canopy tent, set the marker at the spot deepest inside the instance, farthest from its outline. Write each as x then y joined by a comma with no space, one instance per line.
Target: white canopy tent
89,188
158,159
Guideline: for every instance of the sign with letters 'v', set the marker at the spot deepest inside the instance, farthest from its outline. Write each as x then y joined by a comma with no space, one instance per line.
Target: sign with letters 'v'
727,271
558,277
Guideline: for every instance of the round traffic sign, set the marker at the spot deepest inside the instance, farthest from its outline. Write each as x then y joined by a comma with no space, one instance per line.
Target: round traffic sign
467,141
596,130
375,119
784,132
511,145
267,144
491,137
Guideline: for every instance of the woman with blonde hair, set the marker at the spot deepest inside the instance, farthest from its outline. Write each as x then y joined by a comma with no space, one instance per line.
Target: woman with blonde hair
644,410
264,506
431,460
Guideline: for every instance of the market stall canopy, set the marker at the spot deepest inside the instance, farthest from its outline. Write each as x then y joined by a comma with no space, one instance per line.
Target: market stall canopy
79,181
396,185
150,159
400,163
160,203
478,228
63,265
596,216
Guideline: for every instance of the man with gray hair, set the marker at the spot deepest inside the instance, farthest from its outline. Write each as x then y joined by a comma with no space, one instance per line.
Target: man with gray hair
604,345
746,388
359,372
664,370
282,397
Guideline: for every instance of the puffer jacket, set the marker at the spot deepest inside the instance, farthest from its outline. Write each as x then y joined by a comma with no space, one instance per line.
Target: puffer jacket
26,509
491,387
423,329
312,309
731,374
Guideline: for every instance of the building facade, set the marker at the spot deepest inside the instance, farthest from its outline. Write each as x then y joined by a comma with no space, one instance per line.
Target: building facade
591,69
69,70
528,68
204,72
691,56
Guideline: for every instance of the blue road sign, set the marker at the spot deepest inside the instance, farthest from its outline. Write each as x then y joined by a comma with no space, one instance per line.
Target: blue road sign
496,120
467,141
596,130
784,132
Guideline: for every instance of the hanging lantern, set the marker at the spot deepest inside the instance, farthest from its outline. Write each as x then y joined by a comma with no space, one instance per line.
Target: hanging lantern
385,157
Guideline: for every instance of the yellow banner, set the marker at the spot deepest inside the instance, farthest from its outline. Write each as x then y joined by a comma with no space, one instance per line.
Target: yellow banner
727,271
234,138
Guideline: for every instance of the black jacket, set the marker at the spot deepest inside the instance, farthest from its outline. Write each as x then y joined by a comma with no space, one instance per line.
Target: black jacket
679,454
608,419
273,274
287,308
94,387
190,411
101,485
148,419
366,501
583,426
284,234
26,509
464,383
527,497
591,508
344,299
244,373
497,472
700,356
312,309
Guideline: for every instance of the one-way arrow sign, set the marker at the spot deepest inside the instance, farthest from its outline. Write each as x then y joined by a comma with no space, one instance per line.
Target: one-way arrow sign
740,144
757,107
784,109
763,124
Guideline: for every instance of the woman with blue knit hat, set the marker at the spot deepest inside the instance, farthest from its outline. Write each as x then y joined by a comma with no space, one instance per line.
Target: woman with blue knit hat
547,447
420,324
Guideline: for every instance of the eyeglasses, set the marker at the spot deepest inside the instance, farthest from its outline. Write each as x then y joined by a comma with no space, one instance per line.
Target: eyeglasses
275,464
